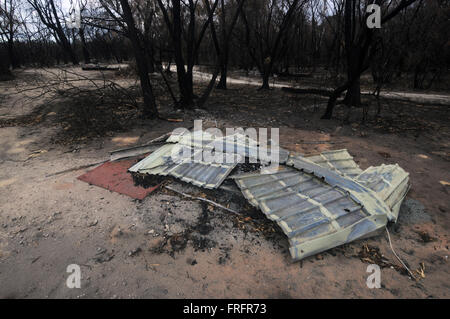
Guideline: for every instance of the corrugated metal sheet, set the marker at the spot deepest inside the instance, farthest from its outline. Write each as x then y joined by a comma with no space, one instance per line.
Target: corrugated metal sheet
198,172
358,192
389,182
339,161
202,174
314,215
161,162
237,143
155,159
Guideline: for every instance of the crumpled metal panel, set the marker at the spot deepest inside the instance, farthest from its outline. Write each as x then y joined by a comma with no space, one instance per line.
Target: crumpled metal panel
358,192
340,161
237,143
389,182
161,162
157,158
202,174
314,215
199,139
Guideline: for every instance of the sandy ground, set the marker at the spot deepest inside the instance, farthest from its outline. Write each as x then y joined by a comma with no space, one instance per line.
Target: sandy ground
49,222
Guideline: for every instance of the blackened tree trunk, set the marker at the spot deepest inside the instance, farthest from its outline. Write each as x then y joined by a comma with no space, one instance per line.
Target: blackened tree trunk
226,36
175,28
11,54
147,38
186,94
68,48
8,30
357,50
5,73
185,80
271,53
150,108
62,36
48,14
86,55
223,56
266,74
223,73
353,96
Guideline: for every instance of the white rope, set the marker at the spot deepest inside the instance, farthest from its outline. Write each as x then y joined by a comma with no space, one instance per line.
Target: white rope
395,254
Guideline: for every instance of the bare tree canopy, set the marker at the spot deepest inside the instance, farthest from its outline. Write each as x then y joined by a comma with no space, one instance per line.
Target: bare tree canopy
268,38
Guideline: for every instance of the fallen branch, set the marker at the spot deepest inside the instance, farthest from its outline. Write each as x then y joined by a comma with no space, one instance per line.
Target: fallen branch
99,68
134,151
202,199
322,92
319,142
77,168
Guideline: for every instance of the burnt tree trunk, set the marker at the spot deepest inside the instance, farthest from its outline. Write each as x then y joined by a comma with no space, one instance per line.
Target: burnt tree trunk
5,73
266,75
353,95
11,54
357,54
274,51
223,76
150,109
185,80
223,53
87,57
186,94
223,56
62,36
48,14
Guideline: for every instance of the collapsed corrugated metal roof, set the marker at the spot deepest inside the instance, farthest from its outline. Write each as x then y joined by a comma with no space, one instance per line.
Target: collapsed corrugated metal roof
313,214
319,201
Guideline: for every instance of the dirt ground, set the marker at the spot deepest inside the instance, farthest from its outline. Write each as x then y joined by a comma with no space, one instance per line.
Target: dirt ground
168,247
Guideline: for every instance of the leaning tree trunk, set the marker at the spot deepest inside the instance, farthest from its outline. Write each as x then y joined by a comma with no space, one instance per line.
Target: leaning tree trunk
332,101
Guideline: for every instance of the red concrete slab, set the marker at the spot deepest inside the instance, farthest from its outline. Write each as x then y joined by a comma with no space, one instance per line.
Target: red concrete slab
114,176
